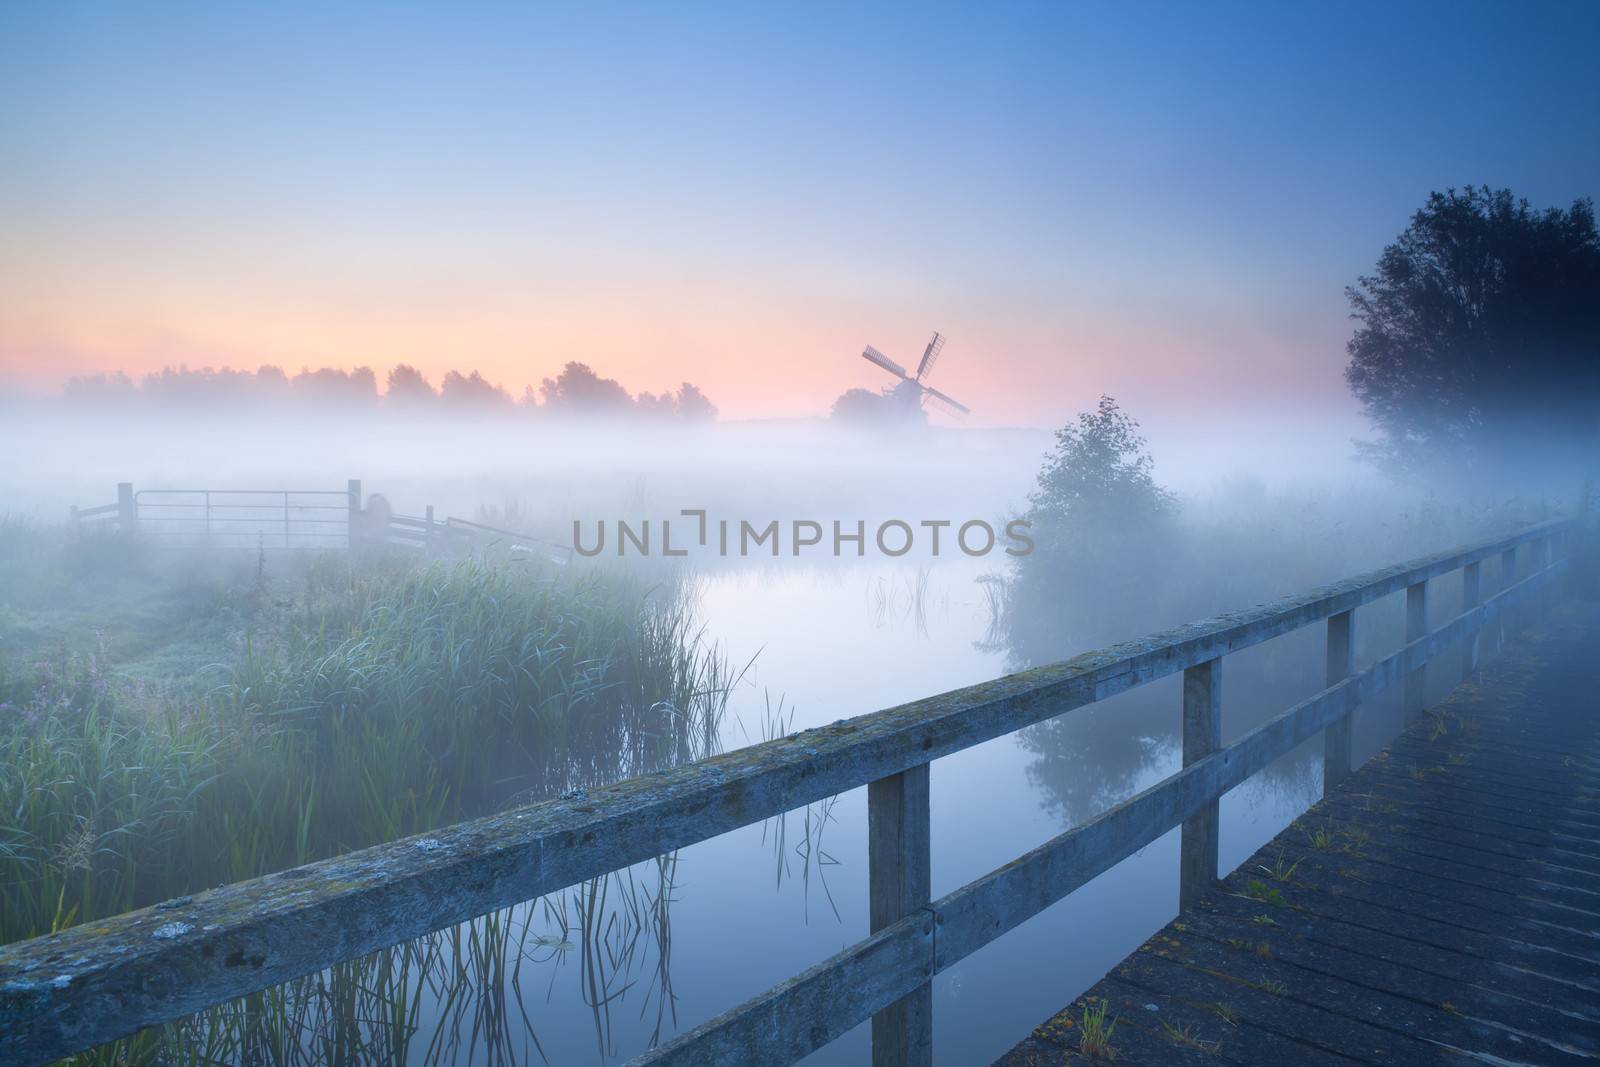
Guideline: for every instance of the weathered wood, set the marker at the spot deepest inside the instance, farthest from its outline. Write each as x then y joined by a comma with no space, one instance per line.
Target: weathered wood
353,508
1342,937
801,1015
899,879
127,510
1202,735
1471,594
93,983
1416,626
972,916
1336,755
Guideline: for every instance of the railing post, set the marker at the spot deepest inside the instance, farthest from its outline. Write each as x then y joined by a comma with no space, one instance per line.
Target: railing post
1471,597
1202,735
1539,553
127,510
1341,665
1508,576
899,883
1416,629
353,492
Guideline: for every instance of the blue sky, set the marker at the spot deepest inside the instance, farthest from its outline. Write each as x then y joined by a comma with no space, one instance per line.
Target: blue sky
1161,201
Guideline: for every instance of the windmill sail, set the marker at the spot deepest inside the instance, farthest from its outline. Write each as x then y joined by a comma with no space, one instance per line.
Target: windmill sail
885,362
948,401
913,393
930,354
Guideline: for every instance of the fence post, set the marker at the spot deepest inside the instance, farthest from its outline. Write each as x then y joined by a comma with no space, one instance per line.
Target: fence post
1341,665
1471,597
1202,735
353,489
127,510
899,883
427,532
1416,629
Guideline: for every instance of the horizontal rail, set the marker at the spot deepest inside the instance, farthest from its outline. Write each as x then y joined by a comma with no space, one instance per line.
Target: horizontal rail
93,983
103,509
340,493
799,1016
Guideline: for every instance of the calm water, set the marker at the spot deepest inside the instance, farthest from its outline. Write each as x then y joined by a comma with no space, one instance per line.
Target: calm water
751,908
596,974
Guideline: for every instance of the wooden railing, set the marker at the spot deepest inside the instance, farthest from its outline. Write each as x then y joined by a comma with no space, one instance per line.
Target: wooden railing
105,979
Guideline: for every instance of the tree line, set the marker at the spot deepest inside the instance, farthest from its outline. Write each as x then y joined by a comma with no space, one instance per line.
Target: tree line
577,390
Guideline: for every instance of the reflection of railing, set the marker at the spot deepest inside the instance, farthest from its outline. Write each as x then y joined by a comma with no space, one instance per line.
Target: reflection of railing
90,984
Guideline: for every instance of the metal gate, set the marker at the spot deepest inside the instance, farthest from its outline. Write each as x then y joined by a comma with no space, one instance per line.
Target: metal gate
247,518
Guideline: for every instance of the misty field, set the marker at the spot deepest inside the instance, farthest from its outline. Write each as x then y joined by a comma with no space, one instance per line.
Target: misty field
175,717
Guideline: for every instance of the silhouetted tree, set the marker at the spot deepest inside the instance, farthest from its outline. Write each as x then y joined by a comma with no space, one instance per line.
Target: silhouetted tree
652,405
580,391
1481,324
1101,528
472,392
331,387
408,389
100,390
693,405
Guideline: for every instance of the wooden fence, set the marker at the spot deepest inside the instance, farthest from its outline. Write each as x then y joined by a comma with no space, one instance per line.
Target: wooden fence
300,519
106,979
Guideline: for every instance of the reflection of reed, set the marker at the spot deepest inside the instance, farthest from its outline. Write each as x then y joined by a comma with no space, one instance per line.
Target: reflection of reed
454,997
623,941
814,819
442,999
893,598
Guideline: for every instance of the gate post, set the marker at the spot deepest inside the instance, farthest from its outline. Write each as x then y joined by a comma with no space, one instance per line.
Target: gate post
127,510
899,883
1202,735
353,492
1341,665
1416,629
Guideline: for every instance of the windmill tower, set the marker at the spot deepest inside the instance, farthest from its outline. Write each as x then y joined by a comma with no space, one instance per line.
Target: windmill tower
913,391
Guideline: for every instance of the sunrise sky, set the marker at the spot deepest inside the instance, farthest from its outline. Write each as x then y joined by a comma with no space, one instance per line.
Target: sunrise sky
1162,201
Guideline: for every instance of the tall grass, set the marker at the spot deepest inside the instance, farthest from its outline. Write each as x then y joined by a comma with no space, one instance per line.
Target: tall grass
411,699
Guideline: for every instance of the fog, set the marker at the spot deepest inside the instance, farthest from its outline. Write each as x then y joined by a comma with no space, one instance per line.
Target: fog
779,642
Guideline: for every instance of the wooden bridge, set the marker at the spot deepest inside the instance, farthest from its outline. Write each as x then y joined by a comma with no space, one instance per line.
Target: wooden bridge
109,978
1442,905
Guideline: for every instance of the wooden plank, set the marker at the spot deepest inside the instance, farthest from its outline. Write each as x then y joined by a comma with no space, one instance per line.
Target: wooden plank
1202,735
90,984
900,880
1471,594
812,1008
1467,952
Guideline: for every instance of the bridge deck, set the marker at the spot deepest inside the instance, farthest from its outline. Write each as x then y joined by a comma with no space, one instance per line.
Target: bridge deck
1442,906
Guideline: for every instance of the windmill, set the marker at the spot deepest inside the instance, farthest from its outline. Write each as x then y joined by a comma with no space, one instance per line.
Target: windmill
913,392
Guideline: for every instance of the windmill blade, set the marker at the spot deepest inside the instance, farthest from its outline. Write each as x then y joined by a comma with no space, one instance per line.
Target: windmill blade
949,402
885,362
930,354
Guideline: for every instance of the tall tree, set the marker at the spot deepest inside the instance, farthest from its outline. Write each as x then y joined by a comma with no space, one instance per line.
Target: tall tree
579,390
1480,331
408,389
